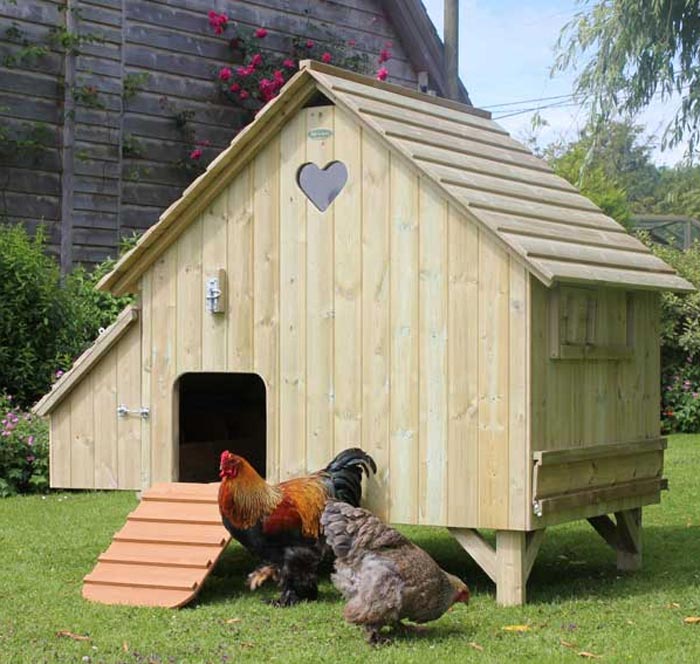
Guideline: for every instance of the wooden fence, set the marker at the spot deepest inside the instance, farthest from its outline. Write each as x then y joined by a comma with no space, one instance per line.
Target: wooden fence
95,132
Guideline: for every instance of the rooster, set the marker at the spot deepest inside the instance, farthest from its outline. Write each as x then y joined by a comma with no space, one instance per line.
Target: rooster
280,523
383,575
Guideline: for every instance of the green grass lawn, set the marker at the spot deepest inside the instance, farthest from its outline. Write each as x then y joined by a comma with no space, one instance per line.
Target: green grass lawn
577,600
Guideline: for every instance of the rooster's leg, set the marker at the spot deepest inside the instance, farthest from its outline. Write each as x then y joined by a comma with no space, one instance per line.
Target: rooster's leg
299,576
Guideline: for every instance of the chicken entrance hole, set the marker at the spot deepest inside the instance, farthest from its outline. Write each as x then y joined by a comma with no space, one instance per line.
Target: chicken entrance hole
217,412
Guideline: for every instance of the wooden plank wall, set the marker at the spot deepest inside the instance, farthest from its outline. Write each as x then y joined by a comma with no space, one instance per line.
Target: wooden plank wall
30,99
91,447
388,321
117,192
576,403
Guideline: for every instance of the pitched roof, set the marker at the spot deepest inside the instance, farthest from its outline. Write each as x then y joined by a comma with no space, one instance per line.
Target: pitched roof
554,230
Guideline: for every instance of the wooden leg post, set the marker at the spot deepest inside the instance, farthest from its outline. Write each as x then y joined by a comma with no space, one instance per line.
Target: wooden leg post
629,550
510,567
509,564
624,535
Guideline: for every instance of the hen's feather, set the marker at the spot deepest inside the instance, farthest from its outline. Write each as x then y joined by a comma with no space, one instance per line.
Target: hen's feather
382,574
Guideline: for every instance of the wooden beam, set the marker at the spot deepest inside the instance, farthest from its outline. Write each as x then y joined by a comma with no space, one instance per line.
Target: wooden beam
534,541
483,554
629,530
511,579
624,536
606,528
601,495
572,455
451,31
67,146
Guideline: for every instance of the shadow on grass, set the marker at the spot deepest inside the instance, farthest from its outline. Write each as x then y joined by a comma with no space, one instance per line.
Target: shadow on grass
573,563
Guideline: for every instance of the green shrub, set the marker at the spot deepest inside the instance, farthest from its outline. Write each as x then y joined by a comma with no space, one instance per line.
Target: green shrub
24,450
44,323
680,343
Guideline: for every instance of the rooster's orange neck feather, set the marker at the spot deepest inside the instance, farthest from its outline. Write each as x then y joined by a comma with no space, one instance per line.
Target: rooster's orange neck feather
247,498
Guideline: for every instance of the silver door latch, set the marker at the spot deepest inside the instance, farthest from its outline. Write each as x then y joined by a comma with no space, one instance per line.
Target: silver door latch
125,411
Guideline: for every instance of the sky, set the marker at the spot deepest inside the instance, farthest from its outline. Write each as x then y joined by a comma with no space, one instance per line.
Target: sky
506,49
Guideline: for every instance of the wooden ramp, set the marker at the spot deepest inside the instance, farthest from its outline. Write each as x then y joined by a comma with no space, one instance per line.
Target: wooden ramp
166,549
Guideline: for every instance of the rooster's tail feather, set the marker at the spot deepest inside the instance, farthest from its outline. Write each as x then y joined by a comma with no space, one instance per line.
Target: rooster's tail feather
345,472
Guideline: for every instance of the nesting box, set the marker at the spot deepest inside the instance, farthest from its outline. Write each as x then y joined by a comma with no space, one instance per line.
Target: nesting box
369,266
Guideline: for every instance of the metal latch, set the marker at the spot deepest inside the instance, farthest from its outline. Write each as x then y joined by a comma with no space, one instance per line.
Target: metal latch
125,411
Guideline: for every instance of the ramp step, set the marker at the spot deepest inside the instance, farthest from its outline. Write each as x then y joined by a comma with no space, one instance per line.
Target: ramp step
173,533
164,552
156,510
160,554
136,597
145,576
183,492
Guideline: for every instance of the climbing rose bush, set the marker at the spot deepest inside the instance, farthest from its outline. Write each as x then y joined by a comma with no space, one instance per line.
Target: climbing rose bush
257,73
24,450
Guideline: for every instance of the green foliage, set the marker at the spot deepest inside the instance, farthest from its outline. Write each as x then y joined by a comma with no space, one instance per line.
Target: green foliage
132,147
593,182
63,39
680,343
28,52
634,50
24,450
613,168
44,323
31,139
88,95
132,84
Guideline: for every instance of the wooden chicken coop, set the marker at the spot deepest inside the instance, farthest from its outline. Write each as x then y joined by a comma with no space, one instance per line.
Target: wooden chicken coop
369,266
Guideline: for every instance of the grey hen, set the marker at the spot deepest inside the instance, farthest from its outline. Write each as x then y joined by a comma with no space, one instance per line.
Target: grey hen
384,577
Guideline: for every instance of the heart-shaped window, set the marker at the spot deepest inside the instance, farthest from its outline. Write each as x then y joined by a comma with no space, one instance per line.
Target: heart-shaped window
322,186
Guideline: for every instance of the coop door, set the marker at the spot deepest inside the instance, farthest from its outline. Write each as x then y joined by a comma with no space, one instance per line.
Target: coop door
590,323
217,412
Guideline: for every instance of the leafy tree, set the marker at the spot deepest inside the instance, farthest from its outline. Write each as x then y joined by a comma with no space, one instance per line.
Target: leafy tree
613,168
634,50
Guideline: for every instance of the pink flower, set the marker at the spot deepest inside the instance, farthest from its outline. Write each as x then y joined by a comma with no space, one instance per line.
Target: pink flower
225,73
384,55
244,94
256,60
261,33
309,43
244,71
218,22
326,57
30,441
352,42
279,76
196,154
235,87
289,64
59,373
382,73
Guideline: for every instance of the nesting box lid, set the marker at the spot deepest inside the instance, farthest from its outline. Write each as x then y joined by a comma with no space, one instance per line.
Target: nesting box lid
545,222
